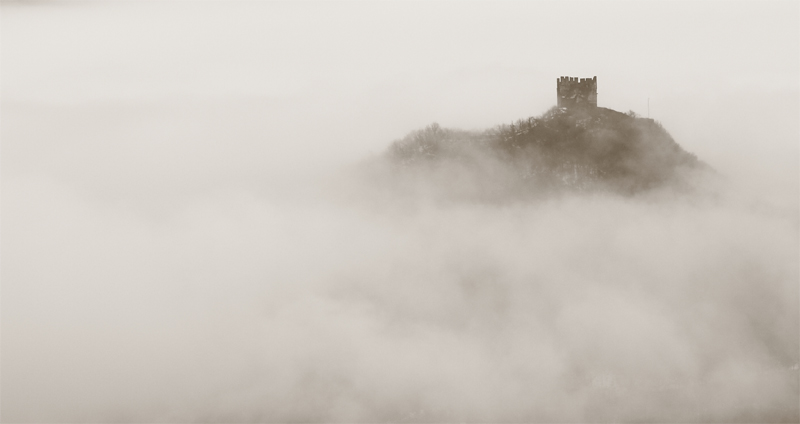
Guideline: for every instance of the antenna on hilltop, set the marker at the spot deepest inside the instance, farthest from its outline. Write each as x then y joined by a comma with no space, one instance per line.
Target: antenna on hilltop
648,108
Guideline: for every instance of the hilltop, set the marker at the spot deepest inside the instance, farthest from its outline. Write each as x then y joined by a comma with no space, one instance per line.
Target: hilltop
565,149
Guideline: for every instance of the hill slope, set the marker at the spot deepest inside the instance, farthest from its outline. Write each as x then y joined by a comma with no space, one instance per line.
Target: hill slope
583,149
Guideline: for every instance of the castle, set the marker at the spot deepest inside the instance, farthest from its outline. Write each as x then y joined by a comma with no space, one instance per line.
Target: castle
576,91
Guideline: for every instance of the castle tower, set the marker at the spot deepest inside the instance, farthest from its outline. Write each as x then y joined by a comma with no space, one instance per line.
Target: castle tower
573,91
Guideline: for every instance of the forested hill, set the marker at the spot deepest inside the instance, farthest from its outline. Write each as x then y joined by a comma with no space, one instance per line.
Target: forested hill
573,149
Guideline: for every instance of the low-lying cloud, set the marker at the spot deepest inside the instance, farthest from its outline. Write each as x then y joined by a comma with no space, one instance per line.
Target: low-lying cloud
383,299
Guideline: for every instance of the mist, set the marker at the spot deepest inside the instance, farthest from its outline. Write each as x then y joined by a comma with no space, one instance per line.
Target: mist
204,224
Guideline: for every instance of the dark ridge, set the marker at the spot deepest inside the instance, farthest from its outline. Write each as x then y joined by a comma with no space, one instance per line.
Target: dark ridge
565,149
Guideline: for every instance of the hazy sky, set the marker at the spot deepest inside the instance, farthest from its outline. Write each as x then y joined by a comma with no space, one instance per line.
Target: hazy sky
712,72
76,52
464,64
180,243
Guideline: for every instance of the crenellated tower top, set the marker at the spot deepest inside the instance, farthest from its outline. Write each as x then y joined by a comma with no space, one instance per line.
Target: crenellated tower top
573,91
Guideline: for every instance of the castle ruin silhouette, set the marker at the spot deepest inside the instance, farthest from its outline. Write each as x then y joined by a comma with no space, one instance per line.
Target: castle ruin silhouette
573,91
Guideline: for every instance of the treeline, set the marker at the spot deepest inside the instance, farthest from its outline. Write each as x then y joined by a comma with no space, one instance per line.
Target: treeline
581,148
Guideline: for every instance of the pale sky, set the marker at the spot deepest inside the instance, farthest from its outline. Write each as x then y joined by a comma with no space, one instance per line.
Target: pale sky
721,77
396,66
83,51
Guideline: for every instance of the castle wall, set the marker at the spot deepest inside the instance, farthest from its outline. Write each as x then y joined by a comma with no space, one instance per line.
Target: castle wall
572,91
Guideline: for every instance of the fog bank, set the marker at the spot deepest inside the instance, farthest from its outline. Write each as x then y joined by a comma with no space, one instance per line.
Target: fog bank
345,299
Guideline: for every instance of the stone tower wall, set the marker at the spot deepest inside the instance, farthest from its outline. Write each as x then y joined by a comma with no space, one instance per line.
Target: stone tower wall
573,91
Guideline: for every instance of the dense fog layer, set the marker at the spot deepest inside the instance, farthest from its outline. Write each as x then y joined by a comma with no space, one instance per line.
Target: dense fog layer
147,281
200,223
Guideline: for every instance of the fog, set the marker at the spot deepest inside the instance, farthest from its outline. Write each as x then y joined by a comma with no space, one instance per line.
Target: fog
199,222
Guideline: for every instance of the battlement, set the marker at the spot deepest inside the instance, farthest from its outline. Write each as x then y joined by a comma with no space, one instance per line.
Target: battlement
573,91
